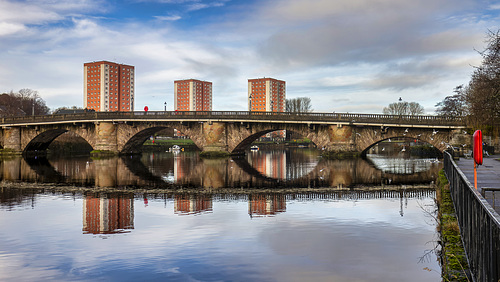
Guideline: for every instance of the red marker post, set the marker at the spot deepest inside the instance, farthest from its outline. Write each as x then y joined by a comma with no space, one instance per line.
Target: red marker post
477,139
146,109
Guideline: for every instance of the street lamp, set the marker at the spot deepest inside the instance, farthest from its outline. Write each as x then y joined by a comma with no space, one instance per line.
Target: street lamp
33,106
250,100
165,106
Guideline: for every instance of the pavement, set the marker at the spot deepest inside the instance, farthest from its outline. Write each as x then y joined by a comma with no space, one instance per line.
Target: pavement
488,177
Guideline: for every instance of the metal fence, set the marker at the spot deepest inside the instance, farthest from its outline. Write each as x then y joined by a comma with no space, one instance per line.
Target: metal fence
479,224
241,115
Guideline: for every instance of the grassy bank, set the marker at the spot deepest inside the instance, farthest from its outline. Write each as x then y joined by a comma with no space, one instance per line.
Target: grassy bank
453,260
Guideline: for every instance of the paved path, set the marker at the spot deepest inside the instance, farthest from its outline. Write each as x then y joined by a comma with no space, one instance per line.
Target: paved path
488,177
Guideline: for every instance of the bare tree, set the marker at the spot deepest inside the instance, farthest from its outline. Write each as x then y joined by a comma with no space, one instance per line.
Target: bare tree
404,108
24,102
415,109
298,105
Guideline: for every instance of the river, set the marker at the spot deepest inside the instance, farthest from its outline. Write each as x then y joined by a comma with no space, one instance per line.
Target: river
276,215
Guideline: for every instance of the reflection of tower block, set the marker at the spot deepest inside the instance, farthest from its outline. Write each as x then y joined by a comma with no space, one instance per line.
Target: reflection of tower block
108,214
192,204
272,165
266,204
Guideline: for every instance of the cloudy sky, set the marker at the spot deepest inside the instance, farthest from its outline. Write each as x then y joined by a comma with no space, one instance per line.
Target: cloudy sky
346,55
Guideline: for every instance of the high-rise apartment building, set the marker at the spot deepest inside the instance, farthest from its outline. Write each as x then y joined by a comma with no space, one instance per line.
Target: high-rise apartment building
192,95
266,95
108,86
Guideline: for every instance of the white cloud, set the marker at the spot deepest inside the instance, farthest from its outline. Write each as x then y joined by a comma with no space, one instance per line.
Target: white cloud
356,55
10,28
168,18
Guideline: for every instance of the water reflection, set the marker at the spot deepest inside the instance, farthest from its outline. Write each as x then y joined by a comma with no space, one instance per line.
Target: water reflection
278,216
266,204
402,165
113,212
108,213
278,169
297,235
186,204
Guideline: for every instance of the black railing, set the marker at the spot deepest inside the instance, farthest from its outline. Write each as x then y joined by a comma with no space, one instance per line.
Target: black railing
479,224
236,115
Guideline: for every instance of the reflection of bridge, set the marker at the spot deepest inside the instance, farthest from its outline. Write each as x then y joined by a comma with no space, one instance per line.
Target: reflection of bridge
221,173
123,132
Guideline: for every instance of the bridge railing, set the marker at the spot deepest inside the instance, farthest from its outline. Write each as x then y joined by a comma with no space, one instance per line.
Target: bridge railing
479,224
240,115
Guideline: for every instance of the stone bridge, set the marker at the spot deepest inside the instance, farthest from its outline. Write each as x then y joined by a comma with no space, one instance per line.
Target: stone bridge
233,132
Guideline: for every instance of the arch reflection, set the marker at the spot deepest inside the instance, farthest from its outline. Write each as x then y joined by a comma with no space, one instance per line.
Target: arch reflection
175,171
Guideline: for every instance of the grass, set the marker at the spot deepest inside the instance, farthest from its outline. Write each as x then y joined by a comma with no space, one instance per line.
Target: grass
454,262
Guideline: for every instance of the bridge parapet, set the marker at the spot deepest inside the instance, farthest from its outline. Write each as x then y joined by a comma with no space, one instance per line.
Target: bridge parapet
341,118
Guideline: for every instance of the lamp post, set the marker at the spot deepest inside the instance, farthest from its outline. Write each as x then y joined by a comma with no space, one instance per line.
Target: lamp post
33,105
165,104
250,100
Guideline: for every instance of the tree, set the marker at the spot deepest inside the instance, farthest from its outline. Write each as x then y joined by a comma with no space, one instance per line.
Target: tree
453,106
298,105
24,102
482,95
404,108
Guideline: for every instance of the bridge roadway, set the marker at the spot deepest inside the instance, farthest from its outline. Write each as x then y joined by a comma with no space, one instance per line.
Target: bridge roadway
230,131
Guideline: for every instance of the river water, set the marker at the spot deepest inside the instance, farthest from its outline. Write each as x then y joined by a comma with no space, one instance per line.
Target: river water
277,215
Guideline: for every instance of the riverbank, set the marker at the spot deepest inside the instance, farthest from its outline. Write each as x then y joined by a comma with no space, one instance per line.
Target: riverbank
454,265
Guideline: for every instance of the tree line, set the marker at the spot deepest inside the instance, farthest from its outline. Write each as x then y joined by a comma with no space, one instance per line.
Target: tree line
23,102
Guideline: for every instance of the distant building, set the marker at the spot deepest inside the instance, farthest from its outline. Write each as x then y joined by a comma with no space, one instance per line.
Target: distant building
266,95
108,87
192,95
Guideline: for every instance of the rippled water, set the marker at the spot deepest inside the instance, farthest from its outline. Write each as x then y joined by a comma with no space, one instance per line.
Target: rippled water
324,233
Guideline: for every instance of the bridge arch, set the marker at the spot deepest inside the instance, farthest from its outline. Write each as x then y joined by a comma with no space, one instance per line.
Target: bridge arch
396,140
368,137
138,136
241,136
245,143
36,141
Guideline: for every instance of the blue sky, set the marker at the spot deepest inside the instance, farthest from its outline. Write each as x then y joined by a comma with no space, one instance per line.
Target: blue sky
346,55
